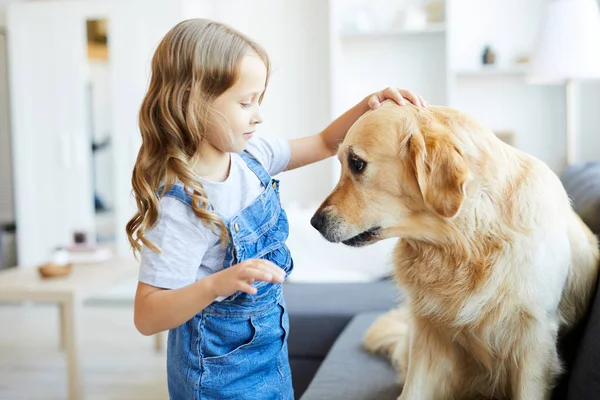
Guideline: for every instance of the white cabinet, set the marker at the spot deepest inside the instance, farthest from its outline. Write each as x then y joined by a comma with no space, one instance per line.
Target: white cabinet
6,190
51,150
47,50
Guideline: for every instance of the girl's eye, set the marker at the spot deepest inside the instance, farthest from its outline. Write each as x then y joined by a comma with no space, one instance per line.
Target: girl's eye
246,105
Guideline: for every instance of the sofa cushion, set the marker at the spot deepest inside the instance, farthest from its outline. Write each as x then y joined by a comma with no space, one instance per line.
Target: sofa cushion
319,312
581,349
350,372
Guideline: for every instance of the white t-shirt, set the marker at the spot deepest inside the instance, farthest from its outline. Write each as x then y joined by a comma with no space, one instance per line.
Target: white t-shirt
191,251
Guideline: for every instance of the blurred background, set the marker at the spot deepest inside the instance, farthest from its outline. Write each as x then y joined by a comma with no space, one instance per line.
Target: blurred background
72,76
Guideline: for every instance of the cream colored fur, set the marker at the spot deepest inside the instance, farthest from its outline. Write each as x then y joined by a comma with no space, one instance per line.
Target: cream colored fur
491,256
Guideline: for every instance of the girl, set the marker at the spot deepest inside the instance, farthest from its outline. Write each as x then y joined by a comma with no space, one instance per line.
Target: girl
209,224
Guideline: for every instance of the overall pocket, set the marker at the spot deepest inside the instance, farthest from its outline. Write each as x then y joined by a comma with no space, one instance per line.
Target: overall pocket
224,337
249,367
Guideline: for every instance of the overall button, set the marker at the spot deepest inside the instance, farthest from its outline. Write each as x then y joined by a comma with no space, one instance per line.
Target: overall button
236,227
274,184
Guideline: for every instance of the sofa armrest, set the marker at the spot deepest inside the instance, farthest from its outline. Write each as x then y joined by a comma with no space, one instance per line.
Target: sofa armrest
584,374
582,183
580,349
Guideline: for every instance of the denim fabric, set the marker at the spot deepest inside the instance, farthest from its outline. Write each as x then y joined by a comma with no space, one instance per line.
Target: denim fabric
237,348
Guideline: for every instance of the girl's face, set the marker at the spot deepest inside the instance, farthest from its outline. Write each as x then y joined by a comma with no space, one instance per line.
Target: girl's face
238,109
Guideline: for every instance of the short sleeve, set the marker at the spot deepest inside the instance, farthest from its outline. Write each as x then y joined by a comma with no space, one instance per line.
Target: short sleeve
271,151
183,242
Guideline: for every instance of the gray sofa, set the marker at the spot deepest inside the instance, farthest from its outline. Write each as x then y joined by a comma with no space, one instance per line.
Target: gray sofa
328,321
320,315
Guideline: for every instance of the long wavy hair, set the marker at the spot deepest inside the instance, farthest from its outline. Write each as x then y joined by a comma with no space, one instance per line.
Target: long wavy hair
196,61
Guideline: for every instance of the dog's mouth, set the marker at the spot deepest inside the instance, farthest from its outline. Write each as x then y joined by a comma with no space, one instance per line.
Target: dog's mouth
363,238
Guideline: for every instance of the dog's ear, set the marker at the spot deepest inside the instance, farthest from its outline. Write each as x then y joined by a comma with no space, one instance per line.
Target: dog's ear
440,168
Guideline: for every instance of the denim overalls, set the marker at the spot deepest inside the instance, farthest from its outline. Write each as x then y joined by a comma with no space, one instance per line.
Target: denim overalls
237,348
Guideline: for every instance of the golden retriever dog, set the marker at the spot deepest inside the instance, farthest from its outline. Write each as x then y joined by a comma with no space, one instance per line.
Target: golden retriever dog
492,258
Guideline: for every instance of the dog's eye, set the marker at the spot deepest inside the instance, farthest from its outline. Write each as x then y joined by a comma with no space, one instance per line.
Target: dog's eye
357,164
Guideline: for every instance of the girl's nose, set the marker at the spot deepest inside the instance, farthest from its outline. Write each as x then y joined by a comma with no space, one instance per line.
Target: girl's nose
257,118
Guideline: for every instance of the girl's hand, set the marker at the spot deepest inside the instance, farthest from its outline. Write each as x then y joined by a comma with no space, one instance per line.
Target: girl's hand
240,277
398,95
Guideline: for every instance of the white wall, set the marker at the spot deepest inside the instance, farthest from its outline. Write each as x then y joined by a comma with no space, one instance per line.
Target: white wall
295,34
588,141
3,5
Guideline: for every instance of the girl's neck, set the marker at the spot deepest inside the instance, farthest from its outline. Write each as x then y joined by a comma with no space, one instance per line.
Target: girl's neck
213,164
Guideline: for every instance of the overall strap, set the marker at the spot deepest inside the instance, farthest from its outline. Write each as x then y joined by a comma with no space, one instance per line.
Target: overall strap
178,192
257,168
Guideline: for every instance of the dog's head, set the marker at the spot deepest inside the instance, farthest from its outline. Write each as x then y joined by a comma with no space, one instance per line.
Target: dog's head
397,163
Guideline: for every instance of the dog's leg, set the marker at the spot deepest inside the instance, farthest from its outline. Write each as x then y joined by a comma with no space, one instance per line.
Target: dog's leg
432,367
388,336
533,375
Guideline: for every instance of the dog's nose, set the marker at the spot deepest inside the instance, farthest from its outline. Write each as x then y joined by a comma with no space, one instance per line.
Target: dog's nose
318,221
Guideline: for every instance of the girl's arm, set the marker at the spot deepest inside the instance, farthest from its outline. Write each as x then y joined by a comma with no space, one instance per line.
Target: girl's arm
157,309
310,149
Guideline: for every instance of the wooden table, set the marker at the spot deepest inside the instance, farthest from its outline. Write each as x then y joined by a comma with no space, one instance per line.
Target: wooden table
84,281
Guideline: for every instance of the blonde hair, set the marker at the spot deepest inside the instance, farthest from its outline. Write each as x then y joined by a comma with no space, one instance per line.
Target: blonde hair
194,63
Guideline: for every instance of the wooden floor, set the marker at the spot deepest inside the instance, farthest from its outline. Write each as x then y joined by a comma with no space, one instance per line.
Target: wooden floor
118,362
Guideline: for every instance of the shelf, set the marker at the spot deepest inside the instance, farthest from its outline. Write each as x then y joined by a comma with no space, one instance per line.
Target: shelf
437,28
492,71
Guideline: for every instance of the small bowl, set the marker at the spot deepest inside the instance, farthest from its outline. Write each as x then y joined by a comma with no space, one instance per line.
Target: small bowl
53,270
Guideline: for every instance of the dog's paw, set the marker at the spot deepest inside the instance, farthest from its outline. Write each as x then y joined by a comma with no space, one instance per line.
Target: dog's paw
383,335
389,336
